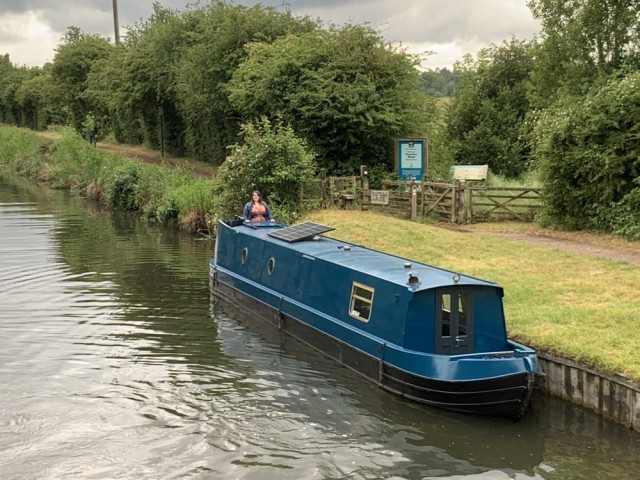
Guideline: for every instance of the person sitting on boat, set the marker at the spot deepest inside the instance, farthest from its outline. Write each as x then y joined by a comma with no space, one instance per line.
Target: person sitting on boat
256,210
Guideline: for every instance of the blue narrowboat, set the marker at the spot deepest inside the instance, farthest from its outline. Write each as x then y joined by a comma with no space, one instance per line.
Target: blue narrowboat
431,335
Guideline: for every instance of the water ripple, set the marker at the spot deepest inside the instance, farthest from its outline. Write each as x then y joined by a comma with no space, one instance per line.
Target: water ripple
114,364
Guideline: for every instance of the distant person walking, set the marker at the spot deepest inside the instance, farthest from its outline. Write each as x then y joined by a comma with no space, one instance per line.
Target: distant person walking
93,136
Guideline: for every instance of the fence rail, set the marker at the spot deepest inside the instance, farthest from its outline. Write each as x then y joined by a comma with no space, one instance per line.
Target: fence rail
513,203
451,202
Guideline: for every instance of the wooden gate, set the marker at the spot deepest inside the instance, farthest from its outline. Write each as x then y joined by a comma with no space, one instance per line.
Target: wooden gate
456,202
502,203
442,200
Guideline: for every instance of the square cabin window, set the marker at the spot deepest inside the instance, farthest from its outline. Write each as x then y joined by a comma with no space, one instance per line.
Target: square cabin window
361,301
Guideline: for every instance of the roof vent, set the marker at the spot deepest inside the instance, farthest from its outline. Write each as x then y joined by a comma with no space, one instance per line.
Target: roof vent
413,279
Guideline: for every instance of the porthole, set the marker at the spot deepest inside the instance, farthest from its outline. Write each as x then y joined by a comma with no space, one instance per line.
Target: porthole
245,255
271,265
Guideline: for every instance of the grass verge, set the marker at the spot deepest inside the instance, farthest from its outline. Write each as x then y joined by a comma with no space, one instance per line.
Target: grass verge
574,306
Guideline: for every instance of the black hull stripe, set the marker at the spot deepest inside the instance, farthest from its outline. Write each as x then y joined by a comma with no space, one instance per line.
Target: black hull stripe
497,396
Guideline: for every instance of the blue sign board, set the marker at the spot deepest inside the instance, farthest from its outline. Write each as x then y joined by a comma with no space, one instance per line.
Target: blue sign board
411,158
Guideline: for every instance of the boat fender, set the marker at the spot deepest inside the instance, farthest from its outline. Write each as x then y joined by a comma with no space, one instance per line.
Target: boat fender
280,314
381,364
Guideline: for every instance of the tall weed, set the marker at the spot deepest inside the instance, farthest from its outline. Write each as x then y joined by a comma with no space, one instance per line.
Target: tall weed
21,151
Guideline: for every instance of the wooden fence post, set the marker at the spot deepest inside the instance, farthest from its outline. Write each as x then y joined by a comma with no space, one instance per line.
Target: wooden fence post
414,201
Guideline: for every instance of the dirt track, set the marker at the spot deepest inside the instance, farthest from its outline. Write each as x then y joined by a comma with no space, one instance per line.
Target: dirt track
147,155
582,243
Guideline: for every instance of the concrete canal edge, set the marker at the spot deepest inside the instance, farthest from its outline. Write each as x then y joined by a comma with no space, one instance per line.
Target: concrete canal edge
611,396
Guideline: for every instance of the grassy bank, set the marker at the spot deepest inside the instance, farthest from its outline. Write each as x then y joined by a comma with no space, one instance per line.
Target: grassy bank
574,306
160,193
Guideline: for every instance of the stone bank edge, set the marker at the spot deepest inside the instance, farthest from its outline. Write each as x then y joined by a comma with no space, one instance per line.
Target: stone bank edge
614,397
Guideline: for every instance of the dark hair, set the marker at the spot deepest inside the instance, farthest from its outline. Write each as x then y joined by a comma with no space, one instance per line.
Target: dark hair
259,195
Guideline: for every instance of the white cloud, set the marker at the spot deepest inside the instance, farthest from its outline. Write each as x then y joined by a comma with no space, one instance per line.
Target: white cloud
450,28
27,38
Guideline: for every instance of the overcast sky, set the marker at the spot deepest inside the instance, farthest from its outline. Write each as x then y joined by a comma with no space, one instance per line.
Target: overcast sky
30,30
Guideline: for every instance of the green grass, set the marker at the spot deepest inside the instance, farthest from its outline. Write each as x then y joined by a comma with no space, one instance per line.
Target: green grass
20,151
160,192
574,306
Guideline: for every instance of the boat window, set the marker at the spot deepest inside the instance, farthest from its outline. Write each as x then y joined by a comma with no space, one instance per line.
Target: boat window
361,302
271,265
446,315
245,255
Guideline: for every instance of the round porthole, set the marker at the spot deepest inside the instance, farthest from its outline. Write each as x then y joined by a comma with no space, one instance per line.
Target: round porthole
245,255
271,265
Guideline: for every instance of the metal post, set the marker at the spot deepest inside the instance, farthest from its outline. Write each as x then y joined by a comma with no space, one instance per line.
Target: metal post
116,23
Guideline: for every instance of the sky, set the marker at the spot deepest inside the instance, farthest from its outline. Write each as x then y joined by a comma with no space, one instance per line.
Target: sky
30,30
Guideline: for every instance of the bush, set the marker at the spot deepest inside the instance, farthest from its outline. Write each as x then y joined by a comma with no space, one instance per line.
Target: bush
122,190
588,152
272,159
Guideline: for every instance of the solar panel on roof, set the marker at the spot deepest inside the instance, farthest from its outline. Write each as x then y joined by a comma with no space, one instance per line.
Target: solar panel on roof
303,231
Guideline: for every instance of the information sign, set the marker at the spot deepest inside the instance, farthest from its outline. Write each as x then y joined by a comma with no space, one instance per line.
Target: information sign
470,172
411,158
380,197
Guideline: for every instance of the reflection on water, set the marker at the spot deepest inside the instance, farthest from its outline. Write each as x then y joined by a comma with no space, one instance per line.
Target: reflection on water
115,364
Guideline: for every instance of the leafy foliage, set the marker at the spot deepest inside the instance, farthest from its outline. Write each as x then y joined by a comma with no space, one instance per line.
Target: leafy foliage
219,41
582,42
441,82
345,90
271,159
71,67
486,118
589,156
142,100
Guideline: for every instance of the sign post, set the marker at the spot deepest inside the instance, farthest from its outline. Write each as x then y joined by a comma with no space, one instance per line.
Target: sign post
469,172
411,158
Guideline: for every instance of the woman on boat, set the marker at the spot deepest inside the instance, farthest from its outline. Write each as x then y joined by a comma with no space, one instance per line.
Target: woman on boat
256,210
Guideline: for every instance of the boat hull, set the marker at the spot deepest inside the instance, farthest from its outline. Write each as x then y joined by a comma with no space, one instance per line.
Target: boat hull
506,395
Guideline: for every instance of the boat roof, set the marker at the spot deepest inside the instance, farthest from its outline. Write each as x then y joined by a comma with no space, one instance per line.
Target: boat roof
366,260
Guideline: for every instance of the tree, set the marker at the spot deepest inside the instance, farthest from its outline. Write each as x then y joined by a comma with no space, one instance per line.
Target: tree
140,78
7,90
589,157
346,91
582,41
486,120
219,46
71,67
440,82
33,96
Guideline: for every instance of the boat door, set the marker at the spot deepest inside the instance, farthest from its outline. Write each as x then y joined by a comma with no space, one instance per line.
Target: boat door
454,322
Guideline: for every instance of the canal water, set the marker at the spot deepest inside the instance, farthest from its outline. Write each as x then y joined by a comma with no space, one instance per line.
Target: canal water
116,364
